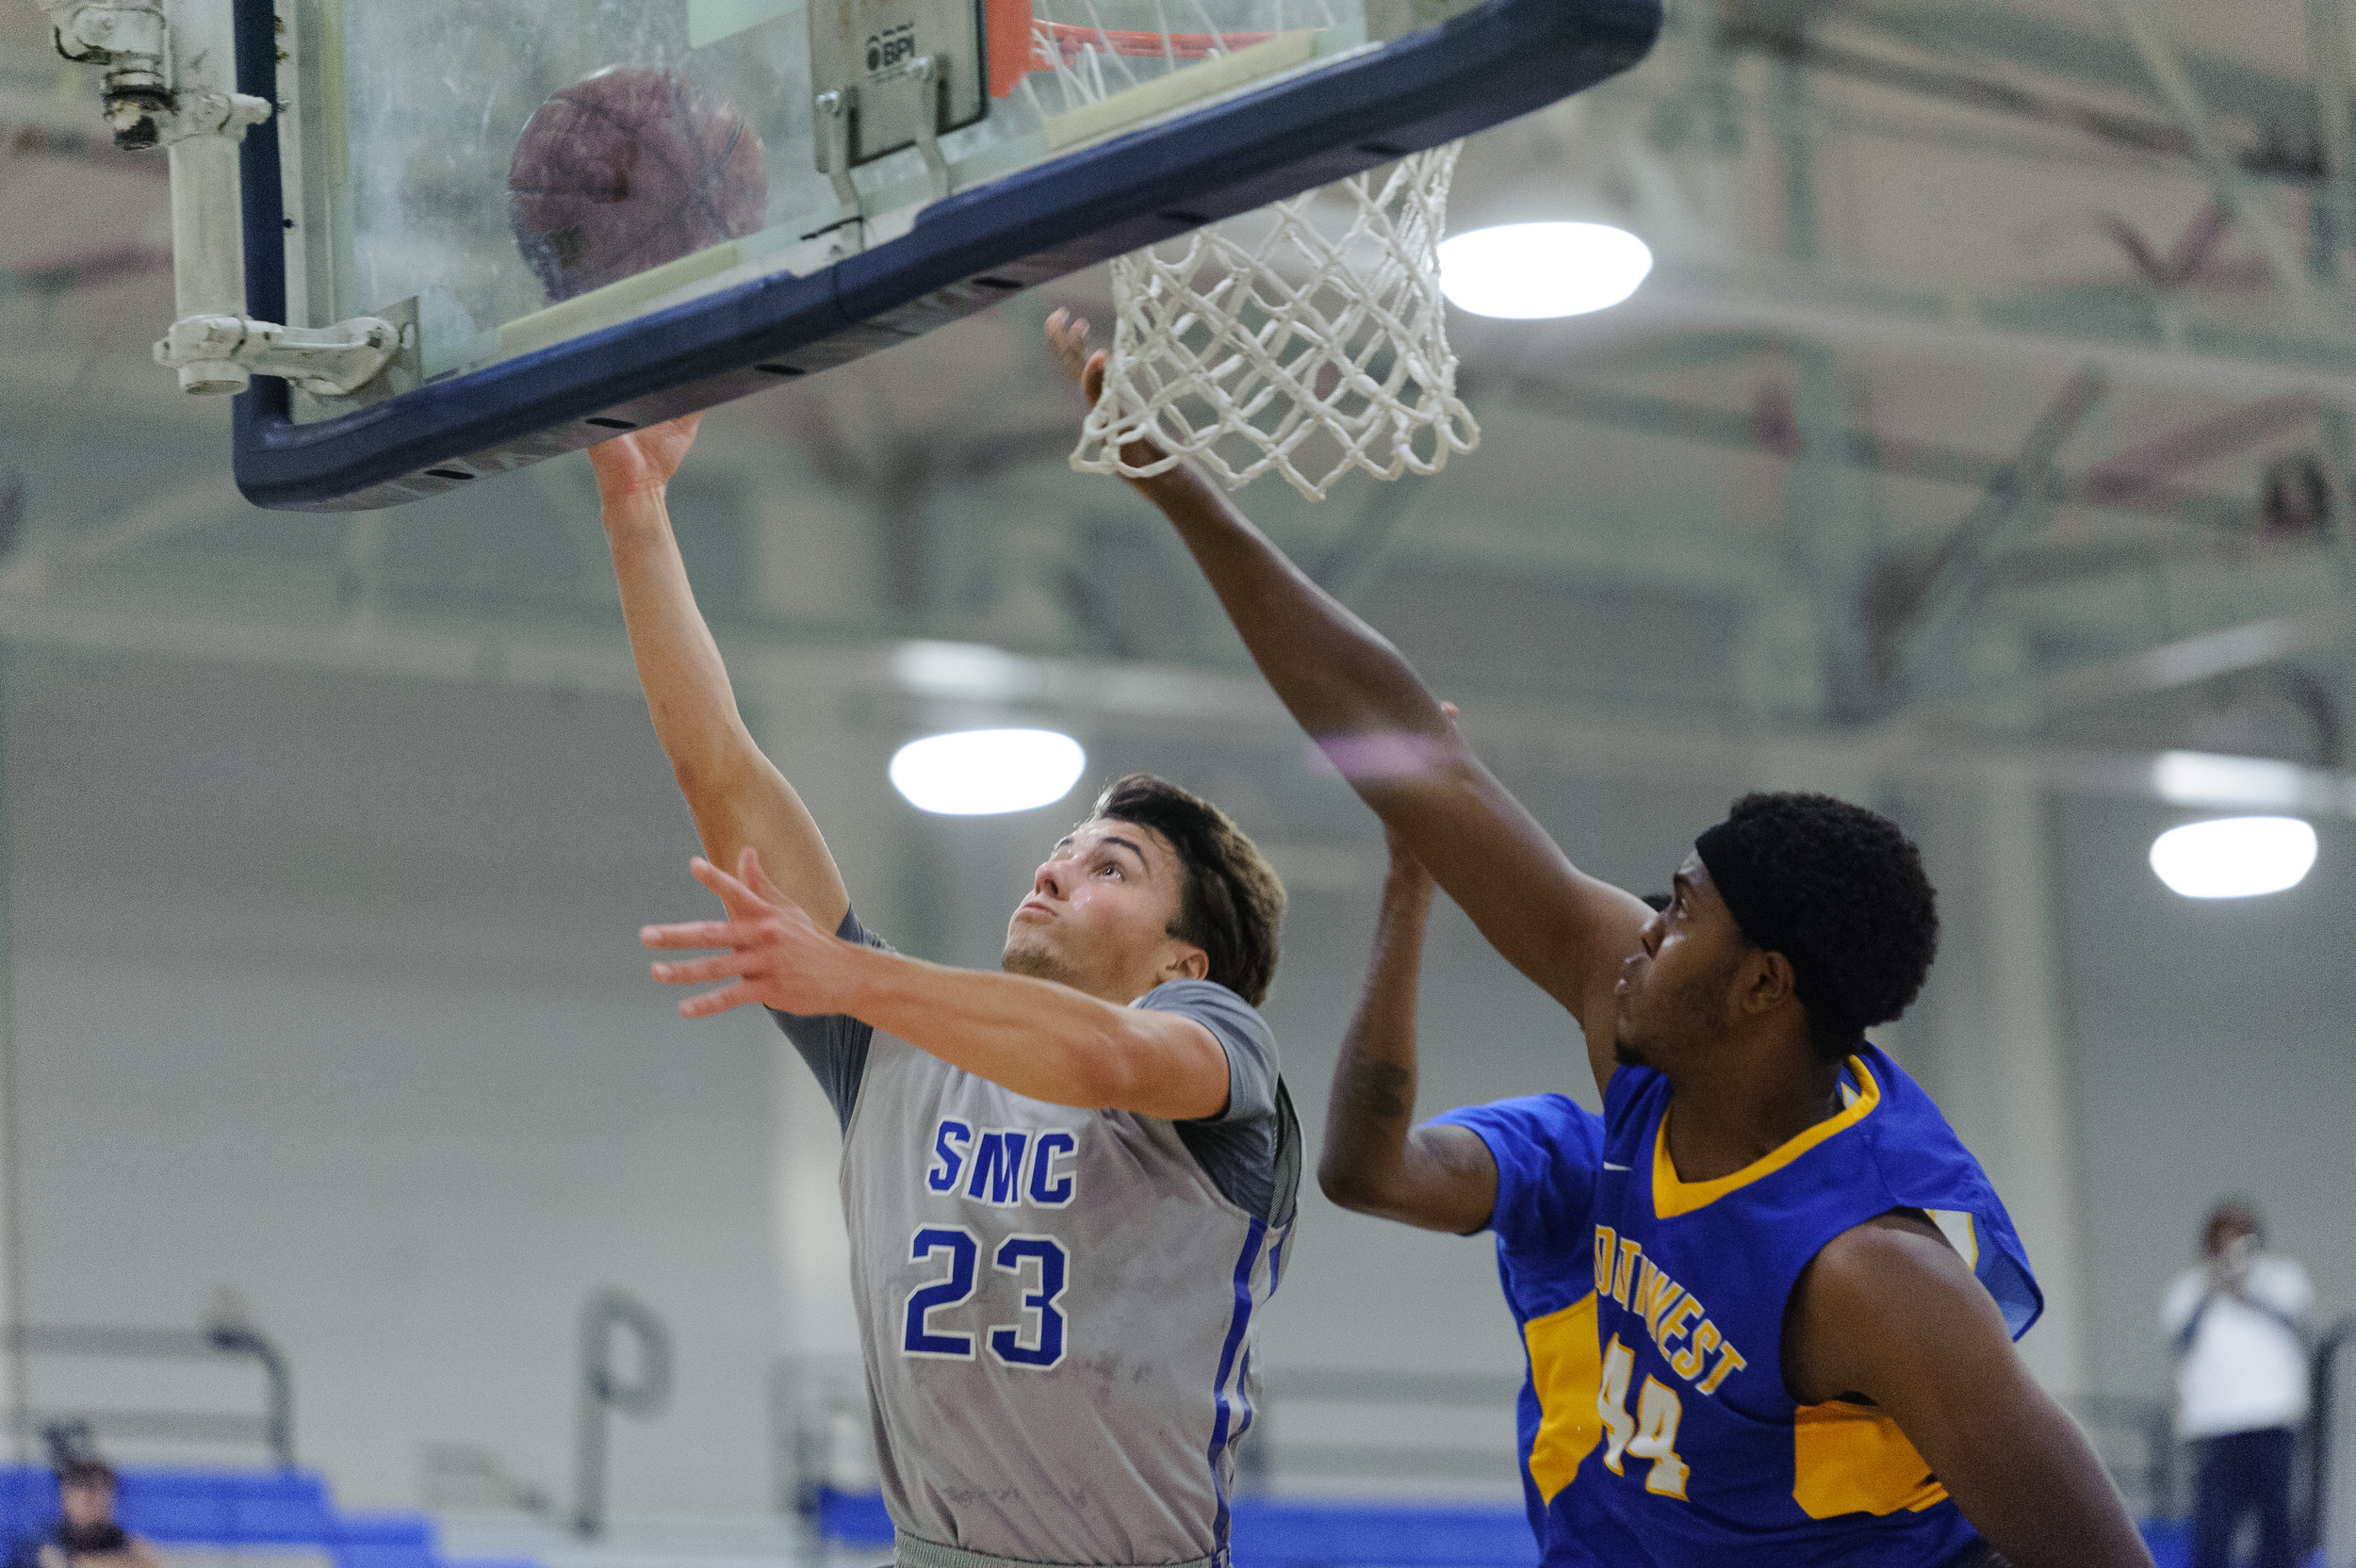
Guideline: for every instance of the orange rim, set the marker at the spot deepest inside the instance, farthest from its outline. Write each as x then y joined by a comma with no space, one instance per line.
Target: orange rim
1070,39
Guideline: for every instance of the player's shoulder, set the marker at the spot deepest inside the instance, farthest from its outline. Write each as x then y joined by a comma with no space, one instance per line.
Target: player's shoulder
1553,1123
1192,996
1873,1296
1887,1263
1548,1151
1237,1023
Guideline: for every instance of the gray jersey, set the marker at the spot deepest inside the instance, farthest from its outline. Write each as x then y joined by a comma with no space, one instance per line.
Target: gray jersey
1056,1305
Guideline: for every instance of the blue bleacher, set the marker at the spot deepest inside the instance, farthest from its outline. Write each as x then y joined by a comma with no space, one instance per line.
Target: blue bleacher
240,1507
295,1509
1282,1533
2171,1545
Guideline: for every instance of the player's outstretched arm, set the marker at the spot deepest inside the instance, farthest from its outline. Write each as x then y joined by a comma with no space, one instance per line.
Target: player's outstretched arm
1891,1311
737,796
1440,1178
1350,690
1034,1036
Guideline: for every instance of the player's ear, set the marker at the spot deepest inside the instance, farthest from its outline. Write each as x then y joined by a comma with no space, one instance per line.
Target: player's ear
1188,963
1768,982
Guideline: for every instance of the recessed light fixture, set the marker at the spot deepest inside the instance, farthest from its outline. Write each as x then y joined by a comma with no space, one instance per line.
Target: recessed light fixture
2235,856
1534,271
981,773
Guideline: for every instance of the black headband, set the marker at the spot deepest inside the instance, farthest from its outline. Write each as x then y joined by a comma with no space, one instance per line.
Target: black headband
1752,895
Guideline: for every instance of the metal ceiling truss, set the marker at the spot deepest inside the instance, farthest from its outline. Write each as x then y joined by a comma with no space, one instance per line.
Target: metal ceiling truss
945,679
2282,108
1691,315
1911,604
1870,451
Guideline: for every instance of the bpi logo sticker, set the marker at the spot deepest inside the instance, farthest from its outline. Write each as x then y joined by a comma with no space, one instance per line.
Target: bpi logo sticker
892,46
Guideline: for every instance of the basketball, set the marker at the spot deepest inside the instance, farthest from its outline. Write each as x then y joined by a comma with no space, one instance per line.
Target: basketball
627,169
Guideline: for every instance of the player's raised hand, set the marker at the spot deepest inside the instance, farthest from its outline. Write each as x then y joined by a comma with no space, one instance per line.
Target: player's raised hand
776,956
1068,335
643,459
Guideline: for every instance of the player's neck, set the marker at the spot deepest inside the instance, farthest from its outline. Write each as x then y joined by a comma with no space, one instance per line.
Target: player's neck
1119,988
1746,1103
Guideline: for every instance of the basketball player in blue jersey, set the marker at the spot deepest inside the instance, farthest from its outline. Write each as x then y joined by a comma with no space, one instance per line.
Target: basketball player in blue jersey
1523,1169
1069,1186
1795,1365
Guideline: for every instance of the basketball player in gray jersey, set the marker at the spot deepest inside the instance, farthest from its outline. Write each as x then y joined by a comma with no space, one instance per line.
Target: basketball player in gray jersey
1069,1186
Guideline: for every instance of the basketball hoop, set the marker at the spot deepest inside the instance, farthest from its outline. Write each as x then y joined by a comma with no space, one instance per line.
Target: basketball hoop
1309,339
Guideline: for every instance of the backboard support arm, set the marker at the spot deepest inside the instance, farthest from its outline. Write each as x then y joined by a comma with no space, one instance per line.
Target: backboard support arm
169,83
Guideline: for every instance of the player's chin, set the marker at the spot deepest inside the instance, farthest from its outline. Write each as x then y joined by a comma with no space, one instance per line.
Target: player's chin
1025,954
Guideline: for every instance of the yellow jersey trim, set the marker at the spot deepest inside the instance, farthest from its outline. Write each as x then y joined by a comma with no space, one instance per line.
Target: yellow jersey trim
1565,1371
1852,1458
1672,1197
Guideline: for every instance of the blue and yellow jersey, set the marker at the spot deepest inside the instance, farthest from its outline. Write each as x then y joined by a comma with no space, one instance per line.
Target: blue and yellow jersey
1704,1453
1548,1151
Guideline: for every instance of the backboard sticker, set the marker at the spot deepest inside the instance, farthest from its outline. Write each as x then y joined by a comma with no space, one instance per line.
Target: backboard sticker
709,21
1161,95
615,301
899,72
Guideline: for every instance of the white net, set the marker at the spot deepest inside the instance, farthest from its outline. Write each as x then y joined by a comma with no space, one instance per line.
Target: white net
1309,339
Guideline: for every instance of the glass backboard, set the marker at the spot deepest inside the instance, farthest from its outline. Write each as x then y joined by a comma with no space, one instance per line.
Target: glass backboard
591,214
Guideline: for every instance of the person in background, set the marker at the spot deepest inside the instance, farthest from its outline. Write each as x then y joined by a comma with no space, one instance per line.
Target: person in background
85,1534
2238,1327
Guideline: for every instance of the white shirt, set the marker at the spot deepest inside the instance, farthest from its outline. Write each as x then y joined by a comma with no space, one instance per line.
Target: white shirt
2246,1369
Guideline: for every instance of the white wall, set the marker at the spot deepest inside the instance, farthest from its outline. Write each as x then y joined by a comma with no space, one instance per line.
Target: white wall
329,991
2216,1055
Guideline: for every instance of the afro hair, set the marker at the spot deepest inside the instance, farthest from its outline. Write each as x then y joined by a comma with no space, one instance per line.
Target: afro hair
1859,919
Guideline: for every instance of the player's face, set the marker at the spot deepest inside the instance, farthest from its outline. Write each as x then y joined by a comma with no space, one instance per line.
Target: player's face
1674,989
86,1504
1099,912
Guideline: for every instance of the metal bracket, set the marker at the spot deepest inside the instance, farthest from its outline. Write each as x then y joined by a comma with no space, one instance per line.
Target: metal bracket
200,129
403,372
128,38
327,361
838,114
222,114
890,75
132,38
931,76
100,32
837,111
214,350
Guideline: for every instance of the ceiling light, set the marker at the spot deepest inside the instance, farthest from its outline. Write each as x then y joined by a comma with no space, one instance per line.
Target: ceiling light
2235,856
1532,271
980,772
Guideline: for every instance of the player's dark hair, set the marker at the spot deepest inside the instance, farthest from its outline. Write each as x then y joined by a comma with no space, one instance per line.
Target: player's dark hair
87,1472
1232,903
1841,894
